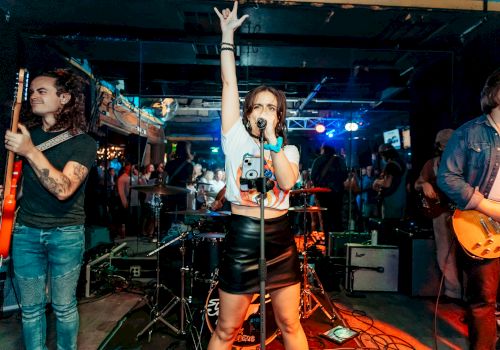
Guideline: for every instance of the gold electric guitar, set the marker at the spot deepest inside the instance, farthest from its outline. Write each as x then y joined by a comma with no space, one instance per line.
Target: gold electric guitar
477,233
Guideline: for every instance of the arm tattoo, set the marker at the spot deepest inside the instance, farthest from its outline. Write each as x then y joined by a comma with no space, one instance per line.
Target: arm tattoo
80,172
52,184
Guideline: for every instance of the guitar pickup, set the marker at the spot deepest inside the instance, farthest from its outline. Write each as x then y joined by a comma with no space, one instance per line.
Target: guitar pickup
485,227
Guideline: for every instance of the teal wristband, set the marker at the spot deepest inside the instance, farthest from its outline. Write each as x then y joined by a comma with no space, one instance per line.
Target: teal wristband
275,148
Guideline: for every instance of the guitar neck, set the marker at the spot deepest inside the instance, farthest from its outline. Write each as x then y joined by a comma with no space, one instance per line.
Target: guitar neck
16,111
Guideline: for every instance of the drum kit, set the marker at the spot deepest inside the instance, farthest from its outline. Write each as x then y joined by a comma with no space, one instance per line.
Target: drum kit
202,267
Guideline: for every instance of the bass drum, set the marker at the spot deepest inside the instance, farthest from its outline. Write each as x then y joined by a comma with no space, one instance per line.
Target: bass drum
249,334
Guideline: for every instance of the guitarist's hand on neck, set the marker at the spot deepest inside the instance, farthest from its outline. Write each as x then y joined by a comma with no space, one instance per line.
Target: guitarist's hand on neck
19,143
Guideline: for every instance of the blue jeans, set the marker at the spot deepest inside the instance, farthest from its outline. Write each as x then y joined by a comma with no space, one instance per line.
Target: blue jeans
40,254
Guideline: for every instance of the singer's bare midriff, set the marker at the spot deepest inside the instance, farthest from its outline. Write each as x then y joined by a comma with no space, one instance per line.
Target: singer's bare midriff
254,212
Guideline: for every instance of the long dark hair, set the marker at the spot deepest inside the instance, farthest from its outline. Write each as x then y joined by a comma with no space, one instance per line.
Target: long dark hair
281,109
72,115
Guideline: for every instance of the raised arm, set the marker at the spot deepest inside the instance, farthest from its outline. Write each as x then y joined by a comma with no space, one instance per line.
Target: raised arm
229,22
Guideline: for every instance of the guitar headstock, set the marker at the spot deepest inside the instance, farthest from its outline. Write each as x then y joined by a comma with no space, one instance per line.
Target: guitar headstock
21,86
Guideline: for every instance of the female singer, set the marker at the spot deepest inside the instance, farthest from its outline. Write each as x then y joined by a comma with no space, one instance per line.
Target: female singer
238,275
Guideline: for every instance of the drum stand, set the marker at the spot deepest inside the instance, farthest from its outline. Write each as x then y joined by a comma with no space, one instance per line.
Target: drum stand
308,301
158,315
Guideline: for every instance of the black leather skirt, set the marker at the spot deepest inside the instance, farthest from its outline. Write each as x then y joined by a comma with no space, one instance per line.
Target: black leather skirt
239,265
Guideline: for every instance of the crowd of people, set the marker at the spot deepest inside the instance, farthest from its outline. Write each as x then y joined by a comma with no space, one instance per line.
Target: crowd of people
112,200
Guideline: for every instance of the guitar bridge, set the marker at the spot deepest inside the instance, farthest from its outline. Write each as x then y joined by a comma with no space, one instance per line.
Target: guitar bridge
494,224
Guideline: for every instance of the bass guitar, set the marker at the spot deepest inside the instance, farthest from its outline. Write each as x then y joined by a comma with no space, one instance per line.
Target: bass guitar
12,174
477,233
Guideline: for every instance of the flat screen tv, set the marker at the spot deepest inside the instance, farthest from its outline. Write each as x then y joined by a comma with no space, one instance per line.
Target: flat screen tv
393,137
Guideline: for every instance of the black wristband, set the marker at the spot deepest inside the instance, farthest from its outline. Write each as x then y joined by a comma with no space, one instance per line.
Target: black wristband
229,44
227,48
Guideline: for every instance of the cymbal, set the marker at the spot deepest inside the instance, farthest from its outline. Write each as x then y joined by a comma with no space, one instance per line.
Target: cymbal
311,209
160,189
311,190
201,212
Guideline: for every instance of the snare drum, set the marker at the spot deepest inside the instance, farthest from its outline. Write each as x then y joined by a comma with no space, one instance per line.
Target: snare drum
249,334
207,251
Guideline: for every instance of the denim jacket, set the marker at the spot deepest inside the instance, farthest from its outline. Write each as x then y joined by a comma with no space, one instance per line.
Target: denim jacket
470,163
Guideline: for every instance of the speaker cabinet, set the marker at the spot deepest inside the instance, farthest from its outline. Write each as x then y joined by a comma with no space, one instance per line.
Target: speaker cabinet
371,268
338,240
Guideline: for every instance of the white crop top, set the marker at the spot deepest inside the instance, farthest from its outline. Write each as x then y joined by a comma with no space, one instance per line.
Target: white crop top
238,145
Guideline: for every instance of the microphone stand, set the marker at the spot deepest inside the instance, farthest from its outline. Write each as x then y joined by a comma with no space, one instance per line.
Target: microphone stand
262,258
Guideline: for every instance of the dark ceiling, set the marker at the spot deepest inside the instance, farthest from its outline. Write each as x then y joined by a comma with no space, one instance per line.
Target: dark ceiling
360,59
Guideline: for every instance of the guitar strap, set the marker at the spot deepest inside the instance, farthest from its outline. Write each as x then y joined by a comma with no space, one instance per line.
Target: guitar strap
56,140
65,136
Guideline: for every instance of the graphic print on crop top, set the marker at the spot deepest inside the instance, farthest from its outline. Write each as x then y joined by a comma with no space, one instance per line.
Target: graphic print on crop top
246,180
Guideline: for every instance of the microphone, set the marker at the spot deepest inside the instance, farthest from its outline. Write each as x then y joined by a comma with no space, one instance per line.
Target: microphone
261,123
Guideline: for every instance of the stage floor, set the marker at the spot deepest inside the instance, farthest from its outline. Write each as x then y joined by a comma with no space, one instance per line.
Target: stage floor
381,318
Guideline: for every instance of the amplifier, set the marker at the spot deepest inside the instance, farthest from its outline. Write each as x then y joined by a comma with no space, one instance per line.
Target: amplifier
338,240
95,236
371,267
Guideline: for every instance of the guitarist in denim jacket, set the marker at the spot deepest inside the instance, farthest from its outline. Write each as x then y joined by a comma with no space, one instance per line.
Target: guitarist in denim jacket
468,175
439,210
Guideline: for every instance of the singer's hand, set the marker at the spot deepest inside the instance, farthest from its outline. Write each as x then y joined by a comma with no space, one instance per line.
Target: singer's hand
229,20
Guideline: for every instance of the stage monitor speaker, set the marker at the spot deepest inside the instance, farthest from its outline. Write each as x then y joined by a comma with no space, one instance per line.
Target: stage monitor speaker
338,240
371,268
95,236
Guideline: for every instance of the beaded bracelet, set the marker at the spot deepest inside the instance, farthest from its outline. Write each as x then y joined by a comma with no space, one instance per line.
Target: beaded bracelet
275,148
229,44
226,48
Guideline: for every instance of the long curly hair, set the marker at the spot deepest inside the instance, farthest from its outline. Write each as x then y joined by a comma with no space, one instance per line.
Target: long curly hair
72,115
281,109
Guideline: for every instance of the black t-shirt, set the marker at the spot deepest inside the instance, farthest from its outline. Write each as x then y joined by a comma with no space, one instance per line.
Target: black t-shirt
334,176
181,177
38,207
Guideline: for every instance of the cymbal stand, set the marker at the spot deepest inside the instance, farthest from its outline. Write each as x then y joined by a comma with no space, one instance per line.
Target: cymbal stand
308,301
185,311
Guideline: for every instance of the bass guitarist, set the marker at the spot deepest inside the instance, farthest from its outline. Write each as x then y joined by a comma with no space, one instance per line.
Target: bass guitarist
49,232
436,206
468,174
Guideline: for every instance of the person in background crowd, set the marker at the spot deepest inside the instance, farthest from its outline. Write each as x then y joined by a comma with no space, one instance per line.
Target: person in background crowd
49,230
329,170
391,189
239,268
197,172
468,175
437,203
204,184
179,173
367,198
129,199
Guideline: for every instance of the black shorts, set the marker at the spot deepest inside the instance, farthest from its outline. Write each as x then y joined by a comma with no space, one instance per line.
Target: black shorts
239,265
